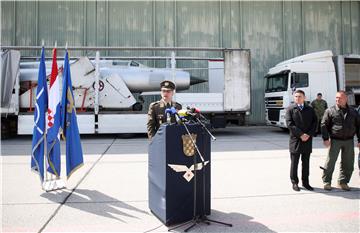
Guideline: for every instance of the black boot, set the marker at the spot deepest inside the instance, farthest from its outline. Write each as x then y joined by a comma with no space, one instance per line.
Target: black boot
307,186
295,187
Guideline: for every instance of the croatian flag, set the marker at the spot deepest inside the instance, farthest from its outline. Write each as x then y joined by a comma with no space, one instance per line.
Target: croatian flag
53,121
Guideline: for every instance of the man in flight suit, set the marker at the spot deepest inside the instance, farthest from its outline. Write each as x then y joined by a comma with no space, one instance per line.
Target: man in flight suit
319,105
156,114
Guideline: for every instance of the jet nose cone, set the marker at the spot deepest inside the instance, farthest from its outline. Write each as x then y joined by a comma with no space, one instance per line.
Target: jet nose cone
196,80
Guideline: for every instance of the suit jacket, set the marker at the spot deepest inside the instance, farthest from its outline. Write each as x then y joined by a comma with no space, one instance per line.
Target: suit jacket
157,116
300,122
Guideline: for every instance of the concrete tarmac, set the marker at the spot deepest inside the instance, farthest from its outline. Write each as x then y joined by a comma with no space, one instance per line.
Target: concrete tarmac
250,188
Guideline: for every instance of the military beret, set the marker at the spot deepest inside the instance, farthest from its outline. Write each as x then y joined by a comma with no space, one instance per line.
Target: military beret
167,84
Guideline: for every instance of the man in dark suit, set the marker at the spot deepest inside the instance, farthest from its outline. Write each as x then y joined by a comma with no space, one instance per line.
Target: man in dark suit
301,121
156,114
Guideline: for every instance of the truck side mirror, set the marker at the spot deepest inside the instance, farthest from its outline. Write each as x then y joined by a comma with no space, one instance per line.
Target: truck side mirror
292,83
293,80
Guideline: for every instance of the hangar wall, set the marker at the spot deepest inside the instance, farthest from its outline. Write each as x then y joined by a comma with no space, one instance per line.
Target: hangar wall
273,31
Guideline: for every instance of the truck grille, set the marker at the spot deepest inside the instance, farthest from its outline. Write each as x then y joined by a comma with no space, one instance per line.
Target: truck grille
274,102
273,114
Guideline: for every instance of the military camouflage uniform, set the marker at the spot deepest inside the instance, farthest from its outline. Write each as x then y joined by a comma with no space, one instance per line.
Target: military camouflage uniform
319,106
157,116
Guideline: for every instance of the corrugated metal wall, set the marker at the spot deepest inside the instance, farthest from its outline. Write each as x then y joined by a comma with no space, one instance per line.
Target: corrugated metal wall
273,31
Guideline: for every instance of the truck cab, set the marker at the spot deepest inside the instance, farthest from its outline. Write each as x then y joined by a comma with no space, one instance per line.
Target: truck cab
313,73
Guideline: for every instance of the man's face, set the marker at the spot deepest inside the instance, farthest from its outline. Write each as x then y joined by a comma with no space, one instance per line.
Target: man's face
341,99
166,94
319,97
299,98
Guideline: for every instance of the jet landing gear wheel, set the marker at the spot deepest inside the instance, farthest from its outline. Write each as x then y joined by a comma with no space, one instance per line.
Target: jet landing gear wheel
137,106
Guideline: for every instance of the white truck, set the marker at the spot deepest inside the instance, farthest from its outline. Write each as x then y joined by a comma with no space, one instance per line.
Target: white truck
111,106
318,72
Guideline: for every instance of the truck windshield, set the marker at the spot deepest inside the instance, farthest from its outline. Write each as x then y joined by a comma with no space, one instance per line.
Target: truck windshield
277,82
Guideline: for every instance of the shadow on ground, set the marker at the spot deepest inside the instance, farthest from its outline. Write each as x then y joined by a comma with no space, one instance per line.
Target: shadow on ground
94,202
337,192
241,223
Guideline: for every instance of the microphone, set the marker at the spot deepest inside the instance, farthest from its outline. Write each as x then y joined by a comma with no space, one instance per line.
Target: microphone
183,113
195,110
173,110
168,112
175,113
196,113
192,110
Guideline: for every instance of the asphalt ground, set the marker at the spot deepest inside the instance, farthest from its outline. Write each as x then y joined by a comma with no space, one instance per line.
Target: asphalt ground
250,188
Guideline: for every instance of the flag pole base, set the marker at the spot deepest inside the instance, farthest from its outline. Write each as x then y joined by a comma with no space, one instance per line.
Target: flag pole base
53,185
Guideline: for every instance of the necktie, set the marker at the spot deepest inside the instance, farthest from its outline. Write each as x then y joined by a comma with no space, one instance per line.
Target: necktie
301,107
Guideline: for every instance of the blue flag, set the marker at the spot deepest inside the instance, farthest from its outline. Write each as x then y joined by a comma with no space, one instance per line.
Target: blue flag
74,155
39,134
53,121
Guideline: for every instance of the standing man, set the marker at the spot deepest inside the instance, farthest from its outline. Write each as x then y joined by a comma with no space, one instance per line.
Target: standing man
338,127
301,121
156,114
319,105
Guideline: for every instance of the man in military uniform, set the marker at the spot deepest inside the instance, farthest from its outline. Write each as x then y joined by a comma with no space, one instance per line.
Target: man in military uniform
156,114
319,105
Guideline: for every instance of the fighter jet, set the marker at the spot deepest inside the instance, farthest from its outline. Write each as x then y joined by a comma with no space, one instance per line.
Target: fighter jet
118,81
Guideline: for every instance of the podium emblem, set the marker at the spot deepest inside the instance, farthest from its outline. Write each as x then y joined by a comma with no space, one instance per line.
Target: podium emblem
188,147
188,175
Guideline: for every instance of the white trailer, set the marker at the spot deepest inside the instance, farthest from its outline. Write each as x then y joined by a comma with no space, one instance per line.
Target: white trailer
108,103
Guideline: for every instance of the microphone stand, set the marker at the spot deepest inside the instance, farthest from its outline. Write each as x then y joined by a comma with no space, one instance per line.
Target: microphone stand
205,128
201,218
196,115
204,217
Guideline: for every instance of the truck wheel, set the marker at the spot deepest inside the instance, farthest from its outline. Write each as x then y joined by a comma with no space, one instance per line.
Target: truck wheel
285,130
218,121
8,126
241,121
137,106
5,129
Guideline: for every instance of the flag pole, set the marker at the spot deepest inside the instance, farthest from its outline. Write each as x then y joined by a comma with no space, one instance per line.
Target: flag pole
60,184
46,162
46,159
52,175
45,141
55,46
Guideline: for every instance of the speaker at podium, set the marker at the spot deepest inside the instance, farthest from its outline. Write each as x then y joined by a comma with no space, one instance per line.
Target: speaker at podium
173,195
